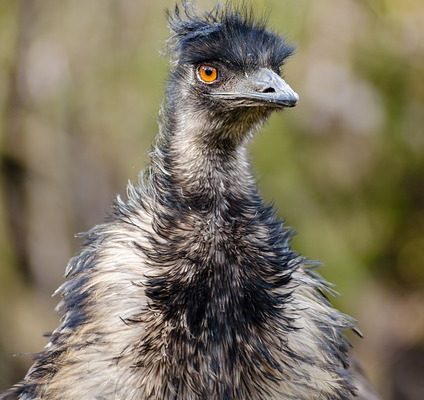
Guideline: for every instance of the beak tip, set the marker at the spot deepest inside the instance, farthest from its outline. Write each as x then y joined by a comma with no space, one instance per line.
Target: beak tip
295,99
289,99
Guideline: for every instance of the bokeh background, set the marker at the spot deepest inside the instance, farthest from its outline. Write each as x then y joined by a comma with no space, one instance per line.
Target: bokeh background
80,86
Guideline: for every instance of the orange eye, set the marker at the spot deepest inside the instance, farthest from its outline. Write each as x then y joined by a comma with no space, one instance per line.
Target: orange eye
207,73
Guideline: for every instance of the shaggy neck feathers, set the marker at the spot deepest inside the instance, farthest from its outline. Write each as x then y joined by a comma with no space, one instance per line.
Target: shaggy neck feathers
200,153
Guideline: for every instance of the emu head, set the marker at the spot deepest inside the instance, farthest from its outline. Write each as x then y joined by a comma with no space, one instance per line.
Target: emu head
226,72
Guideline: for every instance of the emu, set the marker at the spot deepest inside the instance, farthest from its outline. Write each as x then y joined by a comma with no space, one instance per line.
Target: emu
190,289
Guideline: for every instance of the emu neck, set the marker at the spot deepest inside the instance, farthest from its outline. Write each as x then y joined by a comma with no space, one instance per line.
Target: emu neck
207,159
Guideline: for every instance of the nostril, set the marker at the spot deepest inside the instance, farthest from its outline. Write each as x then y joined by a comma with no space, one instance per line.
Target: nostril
268,90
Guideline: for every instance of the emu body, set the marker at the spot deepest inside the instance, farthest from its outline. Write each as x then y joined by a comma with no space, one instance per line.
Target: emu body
190,289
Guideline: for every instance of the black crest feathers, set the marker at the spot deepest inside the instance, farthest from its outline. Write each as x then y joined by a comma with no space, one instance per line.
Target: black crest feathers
229,34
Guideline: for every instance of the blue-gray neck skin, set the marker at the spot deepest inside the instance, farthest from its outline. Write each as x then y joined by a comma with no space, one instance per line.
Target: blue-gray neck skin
203,151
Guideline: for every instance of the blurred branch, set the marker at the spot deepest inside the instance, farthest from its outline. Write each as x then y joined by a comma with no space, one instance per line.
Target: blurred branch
13,162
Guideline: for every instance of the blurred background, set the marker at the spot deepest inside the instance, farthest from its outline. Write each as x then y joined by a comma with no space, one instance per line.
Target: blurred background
80,87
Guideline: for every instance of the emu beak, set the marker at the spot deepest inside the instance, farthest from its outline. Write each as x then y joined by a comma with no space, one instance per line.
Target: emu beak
262,88
268,87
